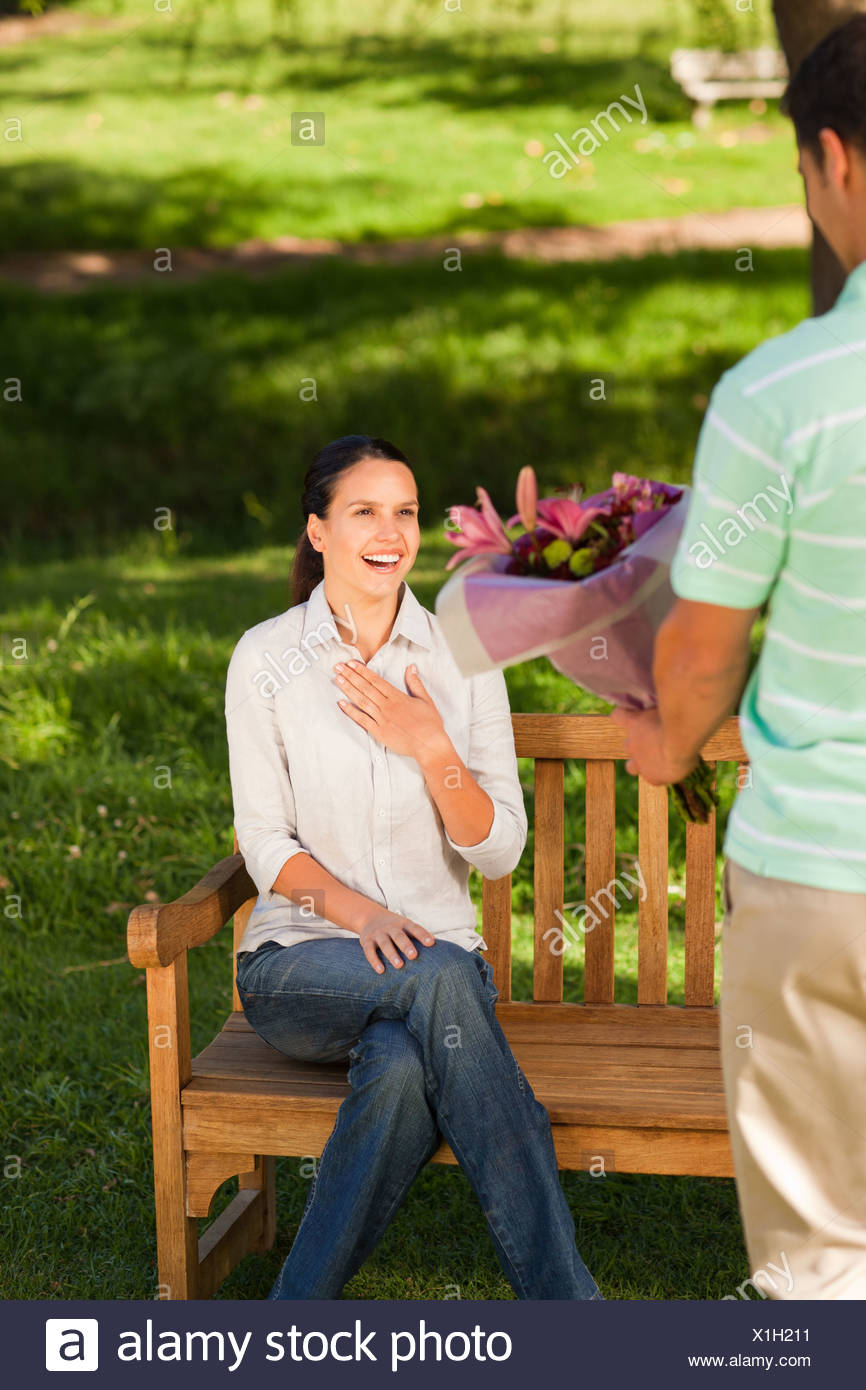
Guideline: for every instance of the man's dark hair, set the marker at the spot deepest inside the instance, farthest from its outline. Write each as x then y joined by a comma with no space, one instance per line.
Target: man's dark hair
829,89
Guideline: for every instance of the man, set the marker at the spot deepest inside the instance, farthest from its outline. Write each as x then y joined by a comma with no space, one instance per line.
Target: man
778,514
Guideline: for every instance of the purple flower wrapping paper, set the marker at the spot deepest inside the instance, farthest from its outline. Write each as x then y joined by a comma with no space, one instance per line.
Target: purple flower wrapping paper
598,631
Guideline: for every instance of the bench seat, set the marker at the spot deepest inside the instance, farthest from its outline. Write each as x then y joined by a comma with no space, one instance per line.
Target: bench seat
623,1091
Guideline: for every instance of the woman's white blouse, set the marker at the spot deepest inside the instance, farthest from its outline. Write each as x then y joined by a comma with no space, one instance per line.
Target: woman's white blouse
305,776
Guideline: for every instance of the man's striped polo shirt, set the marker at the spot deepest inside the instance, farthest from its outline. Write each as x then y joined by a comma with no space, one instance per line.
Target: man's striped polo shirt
779,511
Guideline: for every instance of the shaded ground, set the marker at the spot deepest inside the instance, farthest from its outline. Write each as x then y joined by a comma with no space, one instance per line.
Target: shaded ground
737,229
189,396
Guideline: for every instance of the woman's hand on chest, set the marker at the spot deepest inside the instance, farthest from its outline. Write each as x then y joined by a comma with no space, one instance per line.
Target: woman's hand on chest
405,723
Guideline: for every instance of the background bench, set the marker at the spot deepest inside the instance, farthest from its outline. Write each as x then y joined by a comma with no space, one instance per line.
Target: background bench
635,1088
708,75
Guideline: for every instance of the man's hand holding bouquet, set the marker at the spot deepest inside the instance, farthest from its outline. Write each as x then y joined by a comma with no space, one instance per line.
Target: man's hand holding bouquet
584,582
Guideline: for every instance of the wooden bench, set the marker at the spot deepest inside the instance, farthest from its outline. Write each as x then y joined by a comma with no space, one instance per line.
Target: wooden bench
637,1088
708,75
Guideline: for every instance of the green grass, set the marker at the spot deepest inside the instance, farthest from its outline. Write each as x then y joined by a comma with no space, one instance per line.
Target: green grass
189,396
176,129
122,677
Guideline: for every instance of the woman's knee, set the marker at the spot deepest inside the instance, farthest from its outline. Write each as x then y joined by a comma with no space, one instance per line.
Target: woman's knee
457,972
388,1056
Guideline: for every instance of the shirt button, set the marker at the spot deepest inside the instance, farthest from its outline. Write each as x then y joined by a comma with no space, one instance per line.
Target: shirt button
381,861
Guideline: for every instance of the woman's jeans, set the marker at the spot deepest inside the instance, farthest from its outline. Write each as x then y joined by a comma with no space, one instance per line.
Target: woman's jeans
427,1054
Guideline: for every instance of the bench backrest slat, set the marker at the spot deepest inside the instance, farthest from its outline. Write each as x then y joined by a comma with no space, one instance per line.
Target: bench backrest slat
652,853
548,878
496,916
600,871
700,911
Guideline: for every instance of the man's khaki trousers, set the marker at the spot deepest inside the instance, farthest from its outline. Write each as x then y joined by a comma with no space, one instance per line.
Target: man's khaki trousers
793,1035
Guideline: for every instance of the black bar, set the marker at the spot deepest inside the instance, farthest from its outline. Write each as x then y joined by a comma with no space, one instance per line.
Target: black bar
508,1344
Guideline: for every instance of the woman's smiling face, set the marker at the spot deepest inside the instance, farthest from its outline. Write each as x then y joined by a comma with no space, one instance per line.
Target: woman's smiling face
373,512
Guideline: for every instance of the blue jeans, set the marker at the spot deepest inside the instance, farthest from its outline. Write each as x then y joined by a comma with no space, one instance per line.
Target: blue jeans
427,1054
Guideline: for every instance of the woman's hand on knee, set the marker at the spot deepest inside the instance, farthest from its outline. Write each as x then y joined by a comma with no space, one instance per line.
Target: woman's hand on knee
386,932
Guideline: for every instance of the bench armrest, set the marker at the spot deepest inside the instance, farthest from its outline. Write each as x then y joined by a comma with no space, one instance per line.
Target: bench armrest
157,932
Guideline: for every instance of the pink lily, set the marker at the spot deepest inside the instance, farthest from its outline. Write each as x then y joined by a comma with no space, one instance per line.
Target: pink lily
527,497
564,517
481,533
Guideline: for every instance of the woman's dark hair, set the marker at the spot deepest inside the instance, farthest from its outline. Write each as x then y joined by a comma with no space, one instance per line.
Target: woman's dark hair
319,485
829,89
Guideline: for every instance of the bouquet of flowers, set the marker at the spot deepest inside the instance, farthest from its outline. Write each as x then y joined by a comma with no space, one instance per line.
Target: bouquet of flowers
585,582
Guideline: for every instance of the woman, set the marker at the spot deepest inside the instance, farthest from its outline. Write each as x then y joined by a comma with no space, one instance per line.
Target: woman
351,736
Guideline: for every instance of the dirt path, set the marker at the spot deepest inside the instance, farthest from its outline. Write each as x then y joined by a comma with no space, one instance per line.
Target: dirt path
18,29
757,229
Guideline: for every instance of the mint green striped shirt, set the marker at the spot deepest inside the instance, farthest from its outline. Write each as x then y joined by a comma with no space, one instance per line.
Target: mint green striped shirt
778,511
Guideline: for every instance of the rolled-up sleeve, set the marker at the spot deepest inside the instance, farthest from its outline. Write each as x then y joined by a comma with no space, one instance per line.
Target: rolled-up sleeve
492,760
264,804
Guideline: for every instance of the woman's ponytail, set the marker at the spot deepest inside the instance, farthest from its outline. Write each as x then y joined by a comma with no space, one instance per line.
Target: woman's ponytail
308,568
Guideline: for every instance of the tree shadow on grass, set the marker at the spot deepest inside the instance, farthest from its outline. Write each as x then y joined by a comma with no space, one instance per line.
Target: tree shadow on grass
49,205
189,397
461,73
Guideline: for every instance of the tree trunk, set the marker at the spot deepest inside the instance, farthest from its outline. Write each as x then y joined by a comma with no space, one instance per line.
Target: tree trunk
801,24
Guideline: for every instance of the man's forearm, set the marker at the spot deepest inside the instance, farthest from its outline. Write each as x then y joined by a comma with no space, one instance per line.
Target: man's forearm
696,692
306,882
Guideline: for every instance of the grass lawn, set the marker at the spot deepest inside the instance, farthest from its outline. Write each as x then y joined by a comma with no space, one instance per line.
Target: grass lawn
196,397
176,129
125,675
